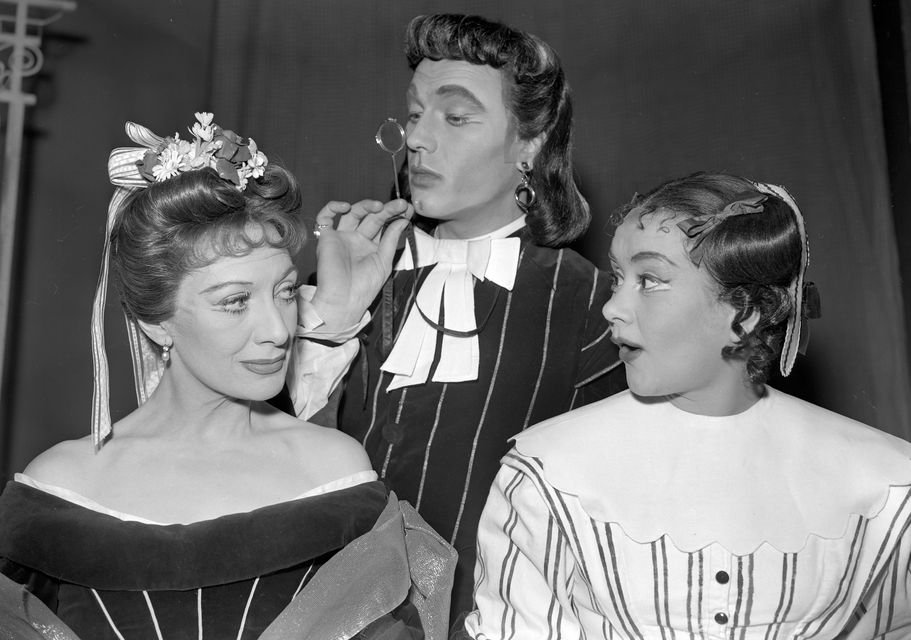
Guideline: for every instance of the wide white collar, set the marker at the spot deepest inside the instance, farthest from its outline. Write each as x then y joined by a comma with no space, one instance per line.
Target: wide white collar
777,473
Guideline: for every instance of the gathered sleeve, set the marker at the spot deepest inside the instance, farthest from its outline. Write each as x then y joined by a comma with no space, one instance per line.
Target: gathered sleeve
319,358
885,611
525,571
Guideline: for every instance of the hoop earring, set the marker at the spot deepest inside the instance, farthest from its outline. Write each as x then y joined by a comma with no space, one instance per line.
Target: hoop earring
526,197
166,352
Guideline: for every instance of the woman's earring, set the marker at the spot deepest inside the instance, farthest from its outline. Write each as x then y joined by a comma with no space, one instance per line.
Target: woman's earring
525,193
166,352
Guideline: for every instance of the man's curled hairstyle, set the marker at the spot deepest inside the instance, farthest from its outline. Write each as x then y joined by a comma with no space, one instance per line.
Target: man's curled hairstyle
536,95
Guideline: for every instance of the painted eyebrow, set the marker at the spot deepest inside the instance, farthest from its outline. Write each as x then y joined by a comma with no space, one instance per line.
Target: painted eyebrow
450,91
230,283
458,91
653,255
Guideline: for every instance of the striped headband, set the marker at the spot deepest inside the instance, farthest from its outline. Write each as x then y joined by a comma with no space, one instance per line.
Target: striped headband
235,159
804,297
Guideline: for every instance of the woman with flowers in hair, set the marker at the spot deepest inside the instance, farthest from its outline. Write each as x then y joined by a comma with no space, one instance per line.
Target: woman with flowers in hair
701,503
206,512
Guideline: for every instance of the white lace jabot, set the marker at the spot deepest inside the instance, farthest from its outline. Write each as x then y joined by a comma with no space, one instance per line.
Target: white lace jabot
777,473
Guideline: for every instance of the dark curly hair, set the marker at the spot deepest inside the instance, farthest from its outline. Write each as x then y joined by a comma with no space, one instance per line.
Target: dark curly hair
752,258
537,97
183,223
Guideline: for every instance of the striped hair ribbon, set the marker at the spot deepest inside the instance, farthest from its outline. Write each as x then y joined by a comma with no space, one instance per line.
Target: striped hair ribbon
123,172
793,341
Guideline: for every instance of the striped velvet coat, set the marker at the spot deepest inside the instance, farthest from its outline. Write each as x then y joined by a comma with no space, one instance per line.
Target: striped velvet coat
543,351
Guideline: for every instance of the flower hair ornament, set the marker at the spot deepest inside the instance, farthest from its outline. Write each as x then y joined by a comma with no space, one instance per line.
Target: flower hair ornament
804,296
235,159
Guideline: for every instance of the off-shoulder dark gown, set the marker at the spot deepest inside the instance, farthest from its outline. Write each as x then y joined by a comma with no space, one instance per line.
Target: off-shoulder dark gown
229,577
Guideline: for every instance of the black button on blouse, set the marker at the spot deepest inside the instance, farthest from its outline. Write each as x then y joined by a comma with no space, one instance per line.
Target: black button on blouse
721,618
722,577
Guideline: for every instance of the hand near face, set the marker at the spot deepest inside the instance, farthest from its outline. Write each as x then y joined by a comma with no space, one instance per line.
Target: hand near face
354,259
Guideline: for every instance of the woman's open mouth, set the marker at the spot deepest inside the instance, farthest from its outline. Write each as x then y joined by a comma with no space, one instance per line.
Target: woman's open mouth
627,350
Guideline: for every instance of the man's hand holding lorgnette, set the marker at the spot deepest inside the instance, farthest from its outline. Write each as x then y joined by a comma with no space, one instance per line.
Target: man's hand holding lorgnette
354,254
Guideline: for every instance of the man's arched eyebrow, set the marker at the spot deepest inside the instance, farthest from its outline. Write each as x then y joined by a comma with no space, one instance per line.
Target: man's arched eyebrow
458,91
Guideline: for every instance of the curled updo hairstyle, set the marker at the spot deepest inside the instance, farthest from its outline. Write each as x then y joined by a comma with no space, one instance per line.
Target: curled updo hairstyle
753,258
166,230
536,96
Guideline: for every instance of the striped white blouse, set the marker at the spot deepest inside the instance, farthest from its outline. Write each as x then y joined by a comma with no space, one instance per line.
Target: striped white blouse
731,545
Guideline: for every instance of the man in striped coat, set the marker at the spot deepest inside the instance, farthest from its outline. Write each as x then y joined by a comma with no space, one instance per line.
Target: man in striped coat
495,326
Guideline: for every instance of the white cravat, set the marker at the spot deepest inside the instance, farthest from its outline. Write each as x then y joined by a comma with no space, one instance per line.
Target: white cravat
493,257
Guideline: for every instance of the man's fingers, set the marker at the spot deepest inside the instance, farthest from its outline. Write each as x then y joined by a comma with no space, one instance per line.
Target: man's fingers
332,209
357,212
325,218
390,240
372,225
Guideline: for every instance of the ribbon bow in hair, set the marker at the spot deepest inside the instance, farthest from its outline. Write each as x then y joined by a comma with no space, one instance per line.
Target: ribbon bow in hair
697,228
124,174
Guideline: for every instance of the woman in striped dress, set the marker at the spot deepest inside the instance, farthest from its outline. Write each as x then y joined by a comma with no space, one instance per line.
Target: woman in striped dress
701,503
208,513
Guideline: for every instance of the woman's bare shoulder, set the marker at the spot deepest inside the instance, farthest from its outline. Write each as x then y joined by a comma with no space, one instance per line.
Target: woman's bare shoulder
65,464
345,448
325,445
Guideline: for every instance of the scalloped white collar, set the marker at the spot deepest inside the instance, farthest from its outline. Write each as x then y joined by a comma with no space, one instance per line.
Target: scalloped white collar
777,473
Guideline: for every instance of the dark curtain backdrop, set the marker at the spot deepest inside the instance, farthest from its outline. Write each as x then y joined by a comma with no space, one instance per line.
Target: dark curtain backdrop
780,91
784,92
107,62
